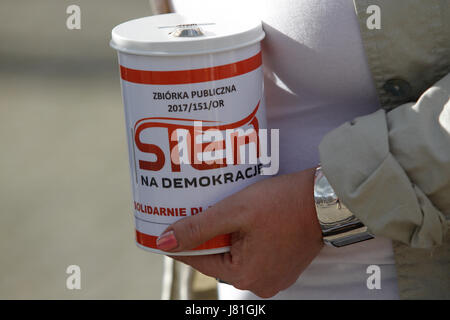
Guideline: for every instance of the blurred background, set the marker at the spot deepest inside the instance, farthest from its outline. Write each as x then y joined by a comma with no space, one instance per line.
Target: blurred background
65,195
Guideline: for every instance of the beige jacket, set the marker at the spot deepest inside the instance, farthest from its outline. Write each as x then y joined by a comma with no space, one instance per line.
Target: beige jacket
392,167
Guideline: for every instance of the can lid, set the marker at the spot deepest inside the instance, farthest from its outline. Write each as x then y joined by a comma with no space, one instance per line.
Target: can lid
174,34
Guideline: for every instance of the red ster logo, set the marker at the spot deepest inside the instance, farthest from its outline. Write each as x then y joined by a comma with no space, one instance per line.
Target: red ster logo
191,131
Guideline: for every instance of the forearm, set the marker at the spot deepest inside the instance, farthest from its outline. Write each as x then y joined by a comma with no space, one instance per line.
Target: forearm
392,170
160,6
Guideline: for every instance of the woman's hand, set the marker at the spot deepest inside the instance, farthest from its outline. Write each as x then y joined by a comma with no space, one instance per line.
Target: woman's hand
274,230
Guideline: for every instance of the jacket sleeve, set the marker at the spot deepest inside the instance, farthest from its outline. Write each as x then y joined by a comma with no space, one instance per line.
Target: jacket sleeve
392,170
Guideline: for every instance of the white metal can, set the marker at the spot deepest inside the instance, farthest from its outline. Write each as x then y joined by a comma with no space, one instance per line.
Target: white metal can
191,90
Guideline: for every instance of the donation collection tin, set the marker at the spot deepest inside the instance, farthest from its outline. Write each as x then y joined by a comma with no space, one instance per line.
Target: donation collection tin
194,106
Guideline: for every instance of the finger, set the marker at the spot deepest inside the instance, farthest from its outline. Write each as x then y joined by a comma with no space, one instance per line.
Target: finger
216,265
190,232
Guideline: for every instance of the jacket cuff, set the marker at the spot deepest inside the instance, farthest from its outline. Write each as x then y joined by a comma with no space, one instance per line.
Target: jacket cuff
367,178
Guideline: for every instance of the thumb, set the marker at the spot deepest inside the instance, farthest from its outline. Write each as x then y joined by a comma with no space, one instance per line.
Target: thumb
190,232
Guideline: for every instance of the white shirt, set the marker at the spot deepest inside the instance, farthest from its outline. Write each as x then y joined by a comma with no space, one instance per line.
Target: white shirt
316,78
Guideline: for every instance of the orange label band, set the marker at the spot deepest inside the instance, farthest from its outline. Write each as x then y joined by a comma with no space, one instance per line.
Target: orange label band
217,242
191,76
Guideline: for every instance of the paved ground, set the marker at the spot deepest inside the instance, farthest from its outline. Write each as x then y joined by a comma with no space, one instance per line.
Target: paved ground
64,181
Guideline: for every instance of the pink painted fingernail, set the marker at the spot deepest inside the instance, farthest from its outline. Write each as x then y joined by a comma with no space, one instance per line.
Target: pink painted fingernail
167,241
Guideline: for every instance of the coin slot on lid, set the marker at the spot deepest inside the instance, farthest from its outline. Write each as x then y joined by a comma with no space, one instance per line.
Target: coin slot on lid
187,31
